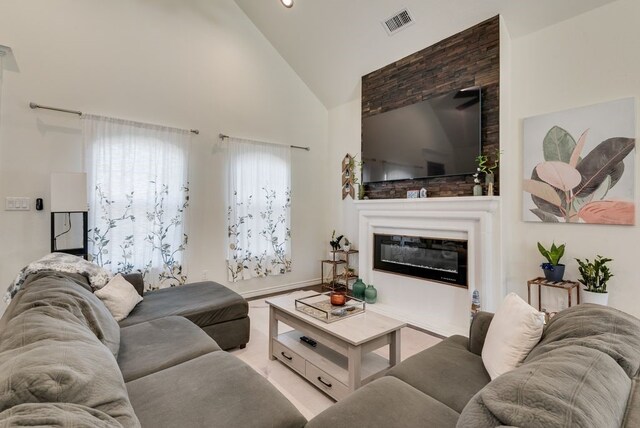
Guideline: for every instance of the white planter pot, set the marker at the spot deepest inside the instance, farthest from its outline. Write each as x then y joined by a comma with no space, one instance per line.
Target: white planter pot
597,298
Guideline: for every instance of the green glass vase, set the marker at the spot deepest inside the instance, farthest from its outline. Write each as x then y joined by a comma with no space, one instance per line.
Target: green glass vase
370,294
358,289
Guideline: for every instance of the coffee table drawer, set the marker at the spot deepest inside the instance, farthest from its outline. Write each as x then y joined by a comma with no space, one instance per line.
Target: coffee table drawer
325,382
288,357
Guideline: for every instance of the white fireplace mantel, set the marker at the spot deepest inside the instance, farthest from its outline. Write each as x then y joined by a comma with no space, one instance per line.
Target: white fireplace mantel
441,308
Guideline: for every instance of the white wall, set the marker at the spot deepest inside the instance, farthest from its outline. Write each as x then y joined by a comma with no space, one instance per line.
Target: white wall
344,137
589,59
192,64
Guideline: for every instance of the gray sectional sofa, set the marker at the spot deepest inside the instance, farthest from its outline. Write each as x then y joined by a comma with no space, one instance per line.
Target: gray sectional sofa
584,372
64,361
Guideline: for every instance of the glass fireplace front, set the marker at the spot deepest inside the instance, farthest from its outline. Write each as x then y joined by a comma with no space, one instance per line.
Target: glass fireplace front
441,260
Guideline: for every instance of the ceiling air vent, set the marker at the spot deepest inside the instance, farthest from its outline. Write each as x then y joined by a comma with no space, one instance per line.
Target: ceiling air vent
397,22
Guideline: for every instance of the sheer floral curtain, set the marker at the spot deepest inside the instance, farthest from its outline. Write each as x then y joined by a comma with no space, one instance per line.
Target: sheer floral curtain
259,205
138,195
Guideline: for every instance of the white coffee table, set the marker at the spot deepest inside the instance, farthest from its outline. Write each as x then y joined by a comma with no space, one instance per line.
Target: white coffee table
342,360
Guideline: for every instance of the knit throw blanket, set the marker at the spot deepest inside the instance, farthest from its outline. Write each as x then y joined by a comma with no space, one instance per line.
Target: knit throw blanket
60,262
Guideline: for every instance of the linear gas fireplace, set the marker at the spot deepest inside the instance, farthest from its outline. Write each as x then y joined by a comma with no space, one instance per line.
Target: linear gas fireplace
441,260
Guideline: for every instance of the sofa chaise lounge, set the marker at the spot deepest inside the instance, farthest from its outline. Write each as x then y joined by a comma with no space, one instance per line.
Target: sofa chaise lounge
220,312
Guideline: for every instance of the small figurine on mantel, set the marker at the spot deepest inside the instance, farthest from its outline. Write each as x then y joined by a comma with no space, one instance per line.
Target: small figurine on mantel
477,188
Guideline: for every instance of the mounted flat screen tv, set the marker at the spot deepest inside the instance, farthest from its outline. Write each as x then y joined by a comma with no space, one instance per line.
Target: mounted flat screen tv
433,138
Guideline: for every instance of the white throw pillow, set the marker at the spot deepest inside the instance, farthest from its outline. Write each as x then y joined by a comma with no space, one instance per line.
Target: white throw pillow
119,296
515,329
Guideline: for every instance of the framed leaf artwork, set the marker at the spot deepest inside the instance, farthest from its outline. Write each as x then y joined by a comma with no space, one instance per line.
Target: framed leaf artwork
579,165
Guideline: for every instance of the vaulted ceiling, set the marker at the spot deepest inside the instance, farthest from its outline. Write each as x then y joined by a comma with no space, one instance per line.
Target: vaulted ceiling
332,43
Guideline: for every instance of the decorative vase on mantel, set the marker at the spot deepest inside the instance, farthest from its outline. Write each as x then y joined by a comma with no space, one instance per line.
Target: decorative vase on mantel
489,180
477,190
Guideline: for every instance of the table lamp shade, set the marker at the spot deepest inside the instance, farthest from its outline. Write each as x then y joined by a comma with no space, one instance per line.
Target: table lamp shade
68,192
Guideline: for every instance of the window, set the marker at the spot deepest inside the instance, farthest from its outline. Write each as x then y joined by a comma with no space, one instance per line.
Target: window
259,204
138,194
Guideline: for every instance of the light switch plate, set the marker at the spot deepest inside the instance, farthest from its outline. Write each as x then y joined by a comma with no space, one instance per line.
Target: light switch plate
17,204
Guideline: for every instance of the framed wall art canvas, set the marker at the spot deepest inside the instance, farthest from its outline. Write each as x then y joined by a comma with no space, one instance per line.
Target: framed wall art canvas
579,165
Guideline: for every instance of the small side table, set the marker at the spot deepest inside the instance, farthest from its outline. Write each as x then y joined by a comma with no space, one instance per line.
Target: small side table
543,282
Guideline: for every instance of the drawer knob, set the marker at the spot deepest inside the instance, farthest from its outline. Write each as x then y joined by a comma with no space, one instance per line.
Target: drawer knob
327,384
286,356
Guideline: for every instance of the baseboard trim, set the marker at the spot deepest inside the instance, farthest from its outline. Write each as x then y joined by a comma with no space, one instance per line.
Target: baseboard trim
278,289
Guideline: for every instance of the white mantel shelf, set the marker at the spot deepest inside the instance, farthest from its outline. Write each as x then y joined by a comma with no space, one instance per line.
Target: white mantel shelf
440,308
466,203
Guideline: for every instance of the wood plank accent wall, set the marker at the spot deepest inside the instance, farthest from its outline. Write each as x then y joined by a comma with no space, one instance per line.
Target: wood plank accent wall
469,58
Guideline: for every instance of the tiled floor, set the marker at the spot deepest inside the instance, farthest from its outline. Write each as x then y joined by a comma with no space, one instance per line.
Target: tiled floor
309,400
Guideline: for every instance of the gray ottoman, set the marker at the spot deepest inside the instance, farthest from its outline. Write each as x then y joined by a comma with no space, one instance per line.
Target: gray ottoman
219,311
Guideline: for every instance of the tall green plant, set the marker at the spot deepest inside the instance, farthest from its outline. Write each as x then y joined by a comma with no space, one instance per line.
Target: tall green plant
353,165
553,255
596,274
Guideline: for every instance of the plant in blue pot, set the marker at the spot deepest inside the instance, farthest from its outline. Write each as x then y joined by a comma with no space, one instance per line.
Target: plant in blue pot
553,270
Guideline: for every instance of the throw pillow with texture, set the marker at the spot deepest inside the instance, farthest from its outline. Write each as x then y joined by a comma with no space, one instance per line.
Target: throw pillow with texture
119,296
515,329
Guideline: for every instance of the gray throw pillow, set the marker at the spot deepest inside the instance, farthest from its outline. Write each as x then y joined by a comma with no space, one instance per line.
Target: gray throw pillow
605,329
61,290
571,386
61,415
48,356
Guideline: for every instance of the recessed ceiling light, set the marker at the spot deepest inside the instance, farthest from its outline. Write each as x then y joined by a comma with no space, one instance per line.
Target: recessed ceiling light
287,3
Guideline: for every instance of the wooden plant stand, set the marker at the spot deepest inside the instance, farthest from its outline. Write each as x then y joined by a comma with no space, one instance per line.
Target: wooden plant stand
338,279
543,282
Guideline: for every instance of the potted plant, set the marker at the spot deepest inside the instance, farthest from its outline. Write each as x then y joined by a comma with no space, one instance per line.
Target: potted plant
595,276
553,270
483,166
353,164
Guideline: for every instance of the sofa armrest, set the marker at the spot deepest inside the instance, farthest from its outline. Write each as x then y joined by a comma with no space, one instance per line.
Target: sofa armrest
136,280
478,331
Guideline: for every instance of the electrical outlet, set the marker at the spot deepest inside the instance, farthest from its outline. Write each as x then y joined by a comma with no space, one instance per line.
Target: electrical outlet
17,204
205,275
